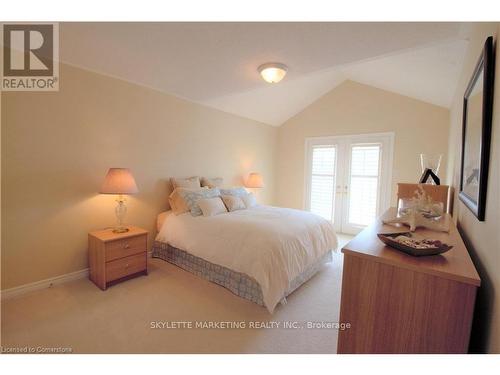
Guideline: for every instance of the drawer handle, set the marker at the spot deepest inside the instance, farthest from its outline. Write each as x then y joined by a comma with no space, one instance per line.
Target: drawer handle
126,246
126,265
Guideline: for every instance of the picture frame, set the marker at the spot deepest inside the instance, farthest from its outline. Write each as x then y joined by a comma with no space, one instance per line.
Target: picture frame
476,133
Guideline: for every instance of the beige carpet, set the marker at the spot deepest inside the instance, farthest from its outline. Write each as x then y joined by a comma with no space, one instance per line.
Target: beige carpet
80,316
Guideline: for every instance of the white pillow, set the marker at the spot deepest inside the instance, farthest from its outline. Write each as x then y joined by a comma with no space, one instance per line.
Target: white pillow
249,200
177,202
192,197
233,202
212,182
212,206
190,182
237,191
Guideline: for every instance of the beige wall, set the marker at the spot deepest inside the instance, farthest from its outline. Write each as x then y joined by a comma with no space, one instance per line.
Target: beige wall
354,108
56,148
483,238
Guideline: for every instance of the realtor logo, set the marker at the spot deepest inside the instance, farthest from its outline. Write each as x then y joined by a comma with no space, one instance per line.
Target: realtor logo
30,57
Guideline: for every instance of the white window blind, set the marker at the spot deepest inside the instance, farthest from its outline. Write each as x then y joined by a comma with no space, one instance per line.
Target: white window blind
364,183
323,181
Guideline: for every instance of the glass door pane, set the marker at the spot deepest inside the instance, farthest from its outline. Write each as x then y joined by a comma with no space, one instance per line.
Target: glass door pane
322,190
364,184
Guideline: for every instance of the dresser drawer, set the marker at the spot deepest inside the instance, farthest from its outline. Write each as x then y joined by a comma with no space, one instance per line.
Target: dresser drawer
126,266
125,247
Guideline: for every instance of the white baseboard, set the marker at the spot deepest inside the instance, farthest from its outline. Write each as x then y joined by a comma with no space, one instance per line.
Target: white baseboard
47,283
43,284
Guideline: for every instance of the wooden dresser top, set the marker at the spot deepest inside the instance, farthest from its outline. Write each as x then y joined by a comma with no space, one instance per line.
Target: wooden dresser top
106,235
455,264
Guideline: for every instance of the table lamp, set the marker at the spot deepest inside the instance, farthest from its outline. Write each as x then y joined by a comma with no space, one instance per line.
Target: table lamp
254,180
121,182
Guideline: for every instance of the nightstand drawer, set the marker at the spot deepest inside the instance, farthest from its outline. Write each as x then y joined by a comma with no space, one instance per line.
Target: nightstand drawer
125,266
125,247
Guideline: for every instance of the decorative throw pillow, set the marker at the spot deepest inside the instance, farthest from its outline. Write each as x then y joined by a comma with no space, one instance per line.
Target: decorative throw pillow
233,202
190,182
177,202
191,198
212,182
212,206
238,191
249,200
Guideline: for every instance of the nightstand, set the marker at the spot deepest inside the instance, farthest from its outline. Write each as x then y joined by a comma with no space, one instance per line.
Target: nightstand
115,257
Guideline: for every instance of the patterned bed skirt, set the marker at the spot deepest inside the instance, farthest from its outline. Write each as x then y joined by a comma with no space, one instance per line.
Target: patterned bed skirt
238,283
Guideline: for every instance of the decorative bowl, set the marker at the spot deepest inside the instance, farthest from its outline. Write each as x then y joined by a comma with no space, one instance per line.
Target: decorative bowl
410,244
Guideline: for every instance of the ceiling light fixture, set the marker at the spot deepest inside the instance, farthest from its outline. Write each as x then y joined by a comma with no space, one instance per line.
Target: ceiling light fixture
272,72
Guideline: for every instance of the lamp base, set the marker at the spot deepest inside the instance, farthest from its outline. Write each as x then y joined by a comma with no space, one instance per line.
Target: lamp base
120,230
120,211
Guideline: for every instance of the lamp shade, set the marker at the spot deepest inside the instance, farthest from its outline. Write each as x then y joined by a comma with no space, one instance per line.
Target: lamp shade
254,180
119,181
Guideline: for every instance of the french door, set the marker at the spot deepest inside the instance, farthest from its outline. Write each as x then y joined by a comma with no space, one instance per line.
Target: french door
348,178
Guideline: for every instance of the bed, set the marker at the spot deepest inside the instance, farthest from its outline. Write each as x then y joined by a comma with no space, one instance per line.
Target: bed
262,253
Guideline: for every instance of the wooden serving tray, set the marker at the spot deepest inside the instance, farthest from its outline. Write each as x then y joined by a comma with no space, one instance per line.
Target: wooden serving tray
388,239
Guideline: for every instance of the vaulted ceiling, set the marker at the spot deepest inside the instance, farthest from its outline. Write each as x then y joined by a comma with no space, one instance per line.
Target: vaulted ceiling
215,64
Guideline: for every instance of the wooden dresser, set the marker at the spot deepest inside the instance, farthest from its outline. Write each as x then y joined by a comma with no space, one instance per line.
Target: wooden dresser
396,303
116,256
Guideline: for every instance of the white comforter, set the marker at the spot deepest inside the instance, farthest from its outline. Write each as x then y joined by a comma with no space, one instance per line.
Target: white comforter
273,245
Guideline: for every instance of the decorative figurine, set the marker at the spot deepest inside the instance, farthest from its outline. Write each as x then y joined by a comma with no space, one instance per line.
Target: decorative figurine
422,211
